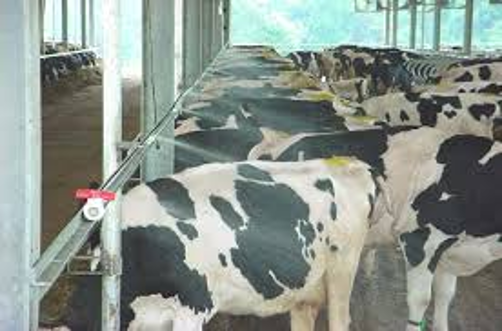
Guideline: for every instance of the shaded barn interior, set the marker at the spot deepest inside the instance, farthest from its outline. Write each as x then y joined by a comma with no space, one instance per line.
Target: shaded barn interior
251,96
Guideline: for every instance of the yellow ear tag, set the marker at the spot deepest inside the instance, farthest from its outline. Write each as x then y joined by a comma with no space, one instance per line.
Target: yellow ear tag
338,161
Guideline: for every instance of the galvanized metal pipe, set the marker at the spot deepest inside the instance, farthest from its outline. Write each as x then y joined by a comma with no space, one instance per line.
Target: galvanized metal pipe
112,135
388,10
436,43
226,21
83,23
20,147
192,44
92,24
64,20
48,56
159,81
469,21
413,24
395,22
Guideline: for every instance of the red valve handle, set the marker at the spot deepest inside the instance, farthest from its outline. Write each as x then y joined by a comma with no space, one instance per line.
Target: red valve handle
85,193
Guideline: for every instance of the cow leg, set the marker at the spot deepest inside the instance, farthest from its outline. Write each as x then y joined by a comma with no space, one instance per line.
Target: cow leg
303,317
341,273
444,286
419,287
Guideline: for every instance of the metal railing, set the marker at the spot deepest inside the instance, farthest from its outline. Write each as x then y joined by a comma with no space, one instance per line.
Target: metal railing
78,230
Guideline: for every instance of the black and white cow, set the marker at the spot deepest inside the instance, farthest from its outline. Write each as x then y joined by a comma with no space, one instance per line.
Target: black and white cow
356,89
467,113
475,73
257,238
439,200
309,61
467,87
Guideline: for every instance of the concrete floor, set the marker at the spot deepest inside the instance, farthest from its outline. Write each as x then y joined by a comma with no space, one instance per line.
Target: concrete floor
72,158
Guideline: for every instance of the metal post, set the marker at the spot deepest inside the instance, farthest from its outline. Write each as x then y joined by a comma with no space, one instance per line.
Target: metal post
64,21
387,23
159,82
217,29
112,135
436,43
395,22
83,23
92,22
469,18
191,42
207,33
226,21
413,24
21,163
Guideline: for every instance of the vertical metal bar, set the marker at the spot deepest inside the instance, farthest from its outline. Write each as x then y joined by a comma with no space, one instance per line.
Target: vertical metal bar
436,43
422,46
387,23
191,42
395,22
469,19
216,39
64,21
112,135
21,163
413,24
226,21
92,24
83,23
207,13
159,82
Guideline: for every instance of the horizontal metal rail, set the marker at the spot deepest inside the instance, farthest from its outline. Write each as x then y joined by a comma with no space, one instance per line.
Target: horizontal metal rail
48,56
72,238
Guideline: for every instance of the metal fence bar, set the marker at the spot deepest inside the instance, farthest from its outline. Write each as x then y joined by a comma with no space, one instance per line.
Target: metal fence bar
112,134
20,147
92,24
64,20
387,23
71,239
83,23
226,21
68,53
159,81
436,41
192,44
469,18
413,24
395,22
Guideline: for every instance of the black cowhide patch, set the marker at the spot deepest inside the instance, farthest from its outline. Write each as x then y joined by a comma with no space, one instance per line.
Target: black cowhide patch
154,263
492,89
251,172
325,185
404,116
188,230
270,244
174,197
465,77
414,245
227,212
485,73
467,196
439,252
479,110
333,211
